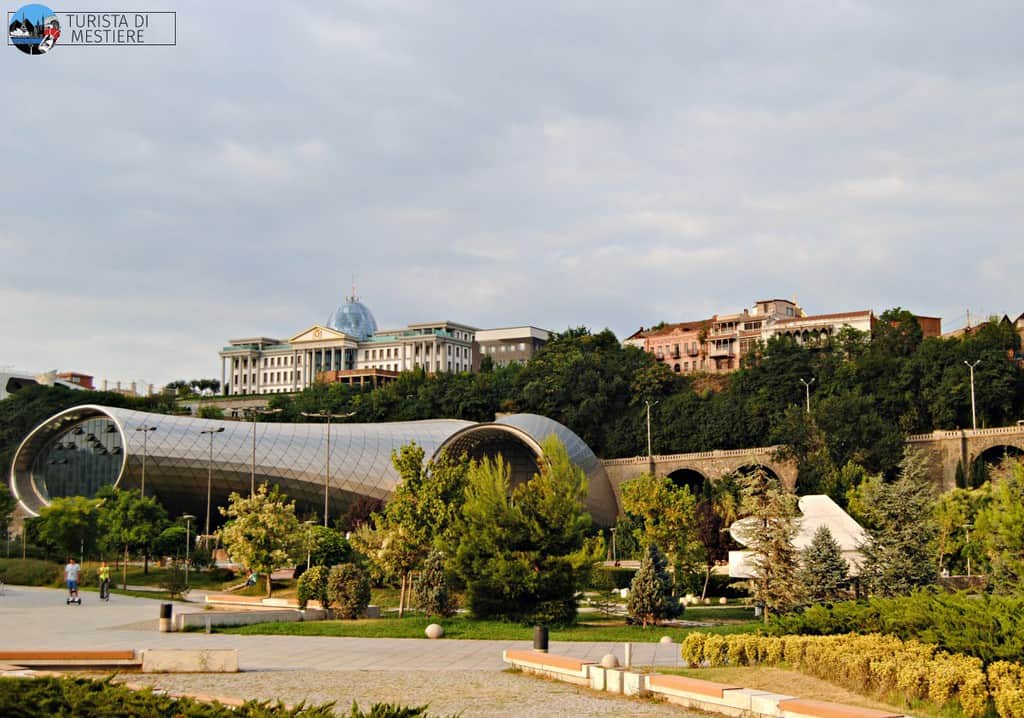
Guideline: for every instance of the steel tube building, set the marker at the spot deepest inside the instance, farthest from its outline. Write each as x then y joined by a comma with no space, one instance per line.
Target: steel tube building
80,450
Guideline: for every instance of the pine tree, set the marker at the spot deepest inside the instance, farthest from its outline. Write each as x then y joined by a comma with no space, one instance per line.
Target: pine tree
900,553
1001,527
771,526
823,571
432,596
650,593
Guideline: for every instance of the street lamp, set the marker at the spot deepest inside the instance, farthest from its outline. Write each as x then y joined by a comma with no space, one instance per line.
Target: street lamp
967,548
807,389
256,411
145,429
615,560
650,454
309,541
974,416
327,475
188,524
209,474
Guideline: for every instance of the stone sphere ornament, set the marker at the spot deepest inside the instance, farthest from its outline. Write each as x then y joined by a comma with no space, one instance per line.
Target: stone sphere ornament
609,661
434,631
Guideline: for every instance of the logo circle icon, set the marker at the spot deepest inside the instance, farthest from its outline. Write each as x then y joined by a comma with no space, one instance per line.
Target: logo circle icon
34,29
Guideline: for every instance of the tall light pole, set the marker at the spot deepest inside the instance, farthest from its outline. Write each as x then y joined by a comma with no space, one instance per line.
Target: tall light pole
256,411
309,541
974,415
967,546
650,454
209,474
615,560
145,429
188,524
327,474
807,390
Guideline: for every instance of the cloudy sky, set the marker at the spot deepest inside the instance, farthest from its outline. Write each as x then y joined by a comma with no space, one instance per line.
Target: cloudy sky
551,163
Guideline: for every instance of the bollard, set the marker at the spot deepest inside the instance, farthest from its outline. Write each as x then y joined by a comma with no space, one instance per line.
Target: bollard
165,617
629,655
208,623
540,639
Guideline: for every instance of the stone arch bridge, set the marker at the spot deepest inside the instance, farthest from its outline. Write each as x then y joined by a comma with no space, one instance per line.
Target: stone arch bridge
944,449
692,469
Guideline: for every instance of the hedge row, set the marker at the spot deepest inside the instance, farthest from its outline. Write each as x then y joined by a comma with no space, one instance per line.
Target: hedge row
83,698
874,664
988,627
30,572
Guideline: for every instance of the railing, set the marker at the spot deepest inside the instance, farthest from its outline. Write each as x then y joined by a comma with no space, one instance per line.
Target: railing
966,433
716,454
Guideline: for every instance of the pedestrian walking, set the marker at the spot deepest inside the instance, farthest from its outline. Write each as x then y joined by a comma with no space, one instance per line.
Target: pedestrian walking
104,575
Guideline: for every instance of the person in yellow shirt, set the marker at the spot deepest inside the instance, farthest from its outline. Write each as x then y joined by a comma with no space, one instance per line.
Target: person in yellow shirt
104,575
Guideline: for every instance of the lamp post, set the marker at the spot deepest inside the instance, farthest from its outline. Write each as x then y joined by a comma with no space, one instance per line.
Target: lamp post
615,560
309,541
188,524
145,429
209,474
256,411
974,416
807,390
967,542
327,474
650,454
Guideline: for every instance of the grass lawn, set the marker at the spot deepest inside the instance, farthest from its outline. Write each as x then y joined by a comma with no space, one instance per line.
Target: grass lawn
593,629
794,683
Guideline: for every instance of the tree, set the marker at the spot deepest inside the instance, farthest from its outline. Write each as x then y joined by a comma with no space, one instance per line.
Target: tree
69,525
262,532
422,510
667,516
1001,527
432,596
769,530
7,504
899,554
650,593
823,570
328,547
129,522
522,553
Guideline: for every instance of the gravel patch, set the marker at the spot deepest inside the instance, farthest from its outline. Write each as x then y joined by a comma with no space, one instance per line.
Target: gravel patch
472,694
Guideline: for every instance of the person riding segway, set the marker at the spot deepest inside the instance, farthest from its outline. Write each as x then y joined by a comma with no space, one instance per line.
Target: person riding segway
71,572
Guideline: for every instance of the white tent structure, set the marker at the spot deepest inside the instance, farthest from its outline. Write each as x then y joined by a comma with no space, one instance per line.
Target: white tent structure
816,510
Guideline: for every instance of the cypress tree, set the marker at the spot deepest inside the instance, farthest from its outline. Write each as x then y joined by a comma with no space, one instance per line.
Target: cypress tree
650,594
823,570
900,554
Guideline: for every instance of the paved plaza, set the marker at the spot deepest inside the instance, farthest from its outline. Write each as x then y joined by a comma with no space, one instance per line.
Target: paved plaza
450,675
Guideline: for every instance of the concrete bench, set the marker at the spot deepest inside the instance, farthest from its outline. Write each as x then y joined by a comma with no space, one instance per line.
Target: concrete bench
806,708
190,660
572,670
689,686
71,658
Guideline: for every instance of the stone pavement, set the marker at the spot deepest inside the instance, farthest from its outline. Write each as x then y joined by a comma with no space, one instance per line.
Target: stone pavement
38,618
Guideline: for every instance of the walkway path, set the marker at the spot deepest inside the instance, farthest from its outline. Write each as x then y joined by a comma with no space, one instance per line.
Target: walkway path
450,675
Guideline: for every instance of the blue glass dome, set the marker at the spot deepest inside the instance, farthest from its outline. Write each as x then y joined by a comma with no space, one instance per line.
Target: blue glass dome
353,318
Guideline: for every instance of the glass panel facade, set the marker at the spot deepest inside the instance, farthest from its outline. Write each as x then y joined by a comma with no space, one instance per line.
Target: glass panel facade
79,461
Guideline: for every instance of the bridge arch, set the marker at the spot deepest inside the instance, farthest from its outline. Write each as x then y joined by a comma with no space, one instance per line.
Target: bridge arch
988,459
690,478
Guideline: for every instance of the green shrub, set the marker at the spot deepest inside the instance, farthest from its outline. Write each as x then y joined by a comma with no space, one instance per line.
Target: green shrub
30,572
348,588
873,664
605,578
83,698
987,627
312,586
432,595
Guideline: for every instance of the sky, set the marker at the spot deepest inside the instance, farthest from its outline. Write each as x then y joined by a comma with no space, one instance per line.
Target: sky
606,164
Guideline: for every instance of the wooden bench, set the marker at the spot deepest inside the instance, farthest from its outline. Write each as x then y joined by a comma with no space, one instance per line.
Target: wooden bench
663,684
823,709
573,670
71,658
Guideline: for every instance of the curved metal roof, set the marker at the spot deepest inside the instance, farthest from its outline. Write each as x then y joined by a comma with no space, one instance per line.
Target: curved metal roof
180,460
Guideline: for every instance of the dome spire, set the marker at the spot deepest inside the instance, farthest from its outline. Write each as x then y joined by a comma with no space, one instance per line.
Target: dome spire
354,297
